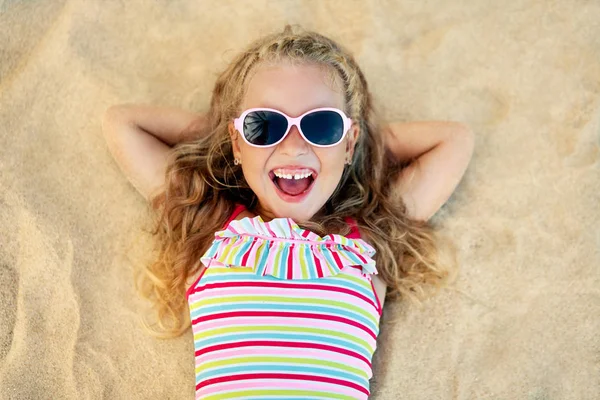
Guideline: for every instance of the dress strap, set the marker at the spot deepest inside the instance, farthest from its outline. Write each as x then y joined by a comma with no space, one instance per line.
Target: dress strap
354,233
236,211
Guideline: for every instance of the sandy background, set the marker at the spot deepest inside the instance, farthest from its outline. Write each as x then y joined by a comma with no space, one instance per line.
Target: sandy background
525,75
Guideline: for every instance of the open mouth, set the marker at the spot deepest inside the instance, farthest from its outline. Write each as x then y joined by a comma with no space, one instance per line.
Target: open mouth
293,182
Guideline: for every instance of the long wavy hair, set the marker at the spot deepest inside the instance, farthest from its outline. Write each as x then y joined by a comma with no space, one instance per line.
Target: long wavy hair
202,186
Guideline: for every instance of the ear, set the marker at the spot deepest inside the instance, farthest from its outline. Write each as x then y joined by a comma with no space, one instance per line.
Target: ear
233,134
353,134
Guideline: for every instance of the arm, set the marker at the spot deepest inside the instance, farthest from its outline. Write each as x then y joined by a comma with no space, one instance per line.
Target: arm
170,125
441,151
140,137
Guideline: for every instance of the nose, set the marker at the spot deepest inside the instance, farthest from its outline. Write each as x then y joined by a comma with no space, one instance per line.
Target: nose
294,144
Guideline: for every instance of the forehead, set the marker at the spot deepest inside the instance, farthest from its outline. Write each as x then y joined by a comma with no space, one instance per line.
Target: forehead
293,89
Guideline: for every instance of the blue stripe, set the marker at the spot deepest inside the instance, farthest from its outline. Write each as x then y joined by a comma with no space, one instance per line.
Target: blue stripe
241,277
262,263
247,224
273,335
242,252
352,256
283,261
213,249
280,307
327,254
312,266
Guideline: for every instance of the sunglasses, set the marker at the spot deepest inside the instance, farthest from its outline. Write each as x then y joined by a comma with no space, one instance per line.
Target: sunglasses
266,127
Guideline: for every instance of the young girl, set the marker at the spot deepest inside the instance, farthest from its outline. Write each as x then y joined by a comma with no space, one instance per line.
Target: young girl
283,215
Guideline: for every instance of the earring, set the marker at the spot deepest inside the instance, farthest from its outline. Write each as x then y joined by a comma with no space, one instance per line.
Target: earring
237,161
348,161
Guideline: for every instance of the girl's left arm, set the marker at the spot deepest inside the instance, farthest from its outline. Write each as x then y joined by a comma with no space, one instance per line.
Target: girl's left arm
440,152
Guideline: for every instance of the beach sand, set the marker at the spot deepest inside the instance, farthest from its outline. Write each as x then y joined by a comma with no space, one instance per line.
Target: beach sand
523,319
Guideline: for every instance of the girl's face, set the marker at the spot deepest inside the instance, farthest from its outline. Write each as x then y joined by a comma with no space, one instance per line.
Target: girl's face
292,90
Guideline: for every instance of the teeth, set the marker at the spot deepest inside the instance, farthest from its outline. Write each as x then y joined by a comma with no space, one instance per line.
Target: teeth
301,175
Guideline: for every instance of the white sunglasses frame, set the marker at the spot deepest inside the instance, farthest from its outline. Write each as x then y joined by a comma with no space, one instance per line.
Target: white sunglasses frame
239,125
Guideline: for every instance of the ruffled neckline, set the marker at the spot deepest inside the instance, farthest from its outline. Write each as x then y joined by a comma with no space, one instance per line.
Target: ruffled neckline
282,249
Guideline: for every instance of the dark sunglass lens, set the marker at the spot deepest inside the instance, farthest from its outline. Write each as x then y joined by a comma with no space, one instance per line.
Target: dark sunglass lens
263,128
323,127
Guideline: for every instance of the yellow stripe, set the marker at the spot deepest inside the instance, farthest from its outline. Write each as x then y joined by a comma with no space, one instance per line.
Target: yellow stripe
274,359
278,299
276,261
278,392
303,262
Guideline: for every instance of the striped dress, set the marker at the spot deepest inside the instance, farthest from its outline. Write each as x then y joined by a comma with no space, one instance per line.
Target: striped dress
282,313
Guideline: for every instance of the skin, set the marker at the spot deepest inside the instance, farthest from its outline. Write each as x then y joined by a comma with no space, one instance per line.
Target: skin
293,89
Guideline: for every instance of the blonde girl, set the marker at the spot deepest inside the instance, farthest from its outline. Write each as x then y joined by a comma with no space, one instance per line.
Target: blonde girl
283,216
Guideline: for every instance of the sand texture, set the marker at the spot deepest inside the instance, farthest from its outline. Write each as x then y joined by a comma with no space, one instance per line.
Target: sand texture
524,319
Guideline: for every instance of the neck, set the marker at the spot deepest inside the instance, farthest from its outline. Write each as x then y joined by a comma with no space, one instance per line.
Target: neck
265,214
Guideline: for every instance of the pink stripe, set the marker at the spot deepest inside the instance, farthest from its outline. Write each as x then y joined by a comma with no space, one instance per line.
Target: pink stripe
244,261
260,250
203,288
283,345
338,260
355,298
189,290
255,224
290,262
250,376
270,231
322,324
318,266
283,314
379,310
361,258
322,262
271,258
289,352
279,384
315,241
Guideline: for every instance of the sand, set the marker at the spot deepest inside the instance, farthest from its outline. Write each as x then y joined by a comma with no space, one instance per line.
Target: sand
524,319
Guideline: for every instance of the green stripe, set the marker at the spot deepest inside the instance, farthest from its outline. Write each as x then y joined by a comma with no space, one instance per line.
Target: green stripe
226,250
280,299
312,270
257,255
270,359
277,260
302,260
358,280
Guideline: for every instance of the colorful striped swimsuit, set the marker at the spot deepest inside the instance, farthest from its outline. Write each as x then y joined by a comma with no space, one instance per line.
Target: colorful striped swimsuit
281,313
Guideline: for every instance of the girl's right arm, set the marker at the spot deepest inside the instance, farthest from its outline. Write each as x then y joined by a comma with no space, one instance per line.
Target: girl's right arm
140,137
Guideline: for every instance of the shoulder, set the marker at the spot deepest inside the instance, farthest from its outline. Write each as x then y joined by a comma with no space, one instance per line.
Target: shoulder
244,214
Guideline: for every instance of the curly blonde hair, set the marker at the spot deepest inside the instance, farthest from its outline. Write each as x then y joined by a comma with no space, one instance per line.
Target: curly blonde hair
202,186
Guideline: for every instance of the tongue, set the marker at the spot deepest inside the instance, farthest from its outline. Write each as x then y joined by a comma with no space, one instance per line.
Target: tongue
293,187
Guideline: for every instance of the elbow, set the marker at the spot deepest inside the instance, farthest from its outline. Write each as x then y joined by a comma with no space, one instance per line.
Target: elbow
465,135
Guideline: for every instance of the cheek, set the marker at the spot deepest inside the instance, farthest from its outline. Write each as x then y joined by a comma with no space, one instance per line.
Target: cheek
253,161
332,160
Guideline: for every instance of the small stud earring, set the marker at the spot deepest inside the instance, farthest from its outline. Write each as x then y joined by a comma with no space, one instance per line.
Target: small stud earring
237,161
348,161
